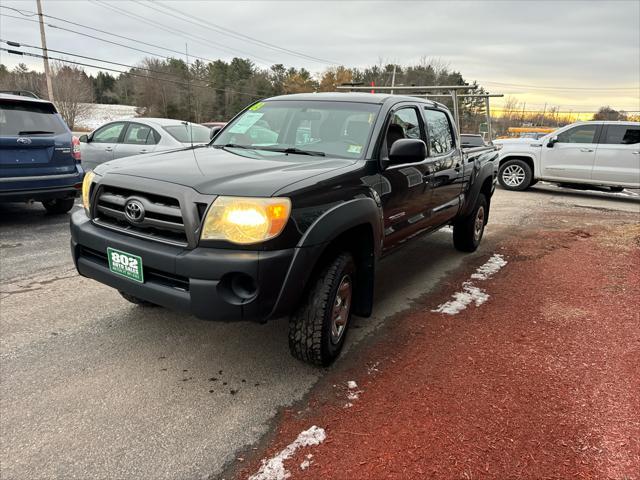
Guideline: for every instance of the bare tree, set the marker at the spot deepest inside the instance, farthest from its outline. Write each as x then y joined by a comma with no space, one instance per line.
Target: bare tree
73,91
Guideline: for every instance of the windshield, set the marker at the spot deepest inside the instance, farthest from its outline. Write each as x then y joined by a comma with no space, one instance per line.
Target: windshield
29,118
339,129
183,133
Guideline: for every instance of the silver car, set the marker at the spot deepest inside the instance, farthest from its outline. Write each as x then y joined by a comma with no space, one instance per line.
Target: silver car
136,136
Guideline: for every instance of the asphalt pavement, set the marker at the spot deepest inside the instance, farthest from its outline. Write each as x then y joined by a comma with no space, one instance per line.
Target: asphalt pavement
94,387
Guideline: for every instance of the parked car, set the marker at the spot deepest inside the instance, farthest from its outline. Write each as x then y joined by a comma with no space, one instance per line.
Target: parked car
39,157
125,138
245,230
583,154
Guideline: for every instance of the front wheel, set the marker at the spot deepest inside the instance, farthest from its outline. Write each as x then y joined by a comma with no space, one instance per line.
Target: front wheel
318,327
515,175
59,205
468,231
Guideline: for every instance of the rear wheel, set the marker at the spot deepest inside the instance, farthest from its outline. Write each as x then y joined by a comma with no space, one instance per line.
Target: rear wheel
515,175
318,327
136,300
59,205
468,231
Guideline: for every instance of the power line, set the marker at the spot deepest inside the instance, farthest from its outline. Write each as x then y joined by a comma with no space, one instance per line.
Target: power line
234,34
193,37
28,13
89,36
35,55
16,44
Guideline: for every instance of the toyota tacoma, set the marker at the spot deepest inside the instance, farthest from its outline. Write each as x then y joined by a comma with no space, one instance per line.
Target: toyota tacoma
285,213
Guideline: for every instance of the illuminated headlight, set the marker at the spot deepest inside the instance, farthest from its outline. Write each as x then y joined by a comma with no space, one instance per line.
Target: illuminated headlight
245,220
86,190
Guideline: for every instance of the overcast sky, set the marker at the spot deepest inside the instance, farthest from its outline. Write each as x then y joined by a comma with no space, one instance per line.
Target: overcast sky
575,54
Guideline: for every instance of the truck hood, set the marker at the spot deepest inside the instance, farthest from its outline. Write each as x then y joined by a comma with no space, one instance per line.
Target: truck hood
216,171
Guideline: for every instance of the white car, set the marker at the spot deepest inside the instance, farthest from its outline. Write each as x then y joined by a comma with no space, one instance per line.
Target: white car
136,136
603,154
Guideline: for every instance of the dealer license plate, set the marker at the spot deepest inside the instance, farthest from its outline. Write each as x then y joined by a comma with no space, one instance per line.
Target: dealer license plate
125,264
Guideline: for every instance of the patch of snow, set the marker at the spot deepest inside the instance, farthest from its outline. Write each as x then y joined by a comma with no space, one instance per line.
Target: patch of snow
373,368
461,300
495,263
98,114
353,396
351,384
470,293
273,469
348,405
306,463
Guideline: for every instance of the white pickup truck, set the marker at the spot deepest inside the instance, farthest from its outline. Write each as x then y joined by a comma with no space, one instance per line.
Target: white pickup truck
583,154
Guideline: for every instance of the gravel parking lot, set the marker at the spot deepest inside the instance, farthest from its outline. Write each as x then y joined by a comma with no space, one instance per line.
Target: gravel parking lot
92,387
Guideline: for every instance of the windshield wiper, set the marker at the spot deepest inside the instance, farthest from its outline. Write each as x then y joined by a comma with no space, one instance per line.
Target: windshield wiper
34,132
294,150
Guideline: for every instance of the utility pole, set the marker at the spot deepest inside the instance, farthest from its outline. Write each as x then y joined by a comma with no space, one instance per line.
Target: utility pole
393,78
45,53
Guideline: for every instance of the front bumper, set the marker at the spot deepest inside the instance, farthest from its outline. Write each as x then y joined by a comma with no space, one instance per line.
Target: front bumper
201,281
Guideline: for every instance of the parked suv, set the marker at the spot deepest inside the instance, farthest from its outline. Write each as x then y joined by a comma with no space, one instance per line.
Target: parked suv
39,157
584,154
250,228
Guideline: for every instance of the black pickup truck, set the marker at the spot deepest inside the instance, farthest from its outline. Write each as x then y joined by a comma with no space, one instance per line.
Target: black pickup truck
285,212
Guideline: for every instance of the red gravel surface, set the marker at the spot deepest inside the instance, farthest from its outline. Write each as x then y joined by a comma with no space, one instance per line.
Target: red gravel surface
540,382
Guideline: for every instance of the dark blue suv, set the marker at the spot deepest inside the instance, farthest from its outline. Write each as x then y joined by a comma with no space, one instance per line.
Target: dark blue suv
39,157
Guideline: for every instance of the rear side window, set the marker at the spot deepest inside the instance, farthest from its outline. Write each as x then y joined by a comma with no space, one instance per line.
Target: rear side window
622,135
579,134
189,133
29,118
138,134
440,134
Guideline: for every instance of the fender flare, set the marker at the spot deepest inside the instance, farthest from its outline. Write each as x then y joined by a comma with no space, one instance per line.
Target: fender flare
329,226
488,170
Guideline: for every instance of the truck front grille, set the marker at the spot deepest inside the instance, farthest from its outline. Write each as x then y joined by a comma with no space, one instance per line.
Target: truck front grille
162,220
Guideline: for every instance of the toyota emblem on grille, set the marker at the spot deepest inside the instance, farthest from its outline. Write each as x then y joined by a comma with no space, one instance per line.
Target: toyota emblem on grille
134,211
24,140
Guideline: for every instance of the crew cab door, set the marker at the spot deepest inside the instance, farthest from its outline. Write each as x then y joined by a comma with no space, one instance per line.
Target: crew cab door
405,193
444,166
572,157
100,145
138,139
618,155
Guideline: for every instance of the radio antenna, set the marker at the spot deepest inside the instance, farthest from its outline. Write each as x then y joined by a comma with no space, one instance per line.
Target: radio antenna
190,119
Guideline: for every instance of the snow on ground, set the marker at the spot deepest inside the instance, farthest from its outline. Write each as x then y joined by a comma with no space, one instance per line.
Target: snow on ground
99,114
273,469
470,293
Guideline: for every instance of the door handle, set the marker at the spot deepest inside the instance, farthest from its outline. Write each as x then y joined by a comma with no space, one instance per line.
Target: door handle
586,150
108,149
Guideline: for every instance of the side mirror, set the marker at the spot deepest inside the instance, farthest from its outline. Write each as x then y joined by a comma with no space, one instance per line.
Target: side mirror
407,150
214,131
84,139
552,142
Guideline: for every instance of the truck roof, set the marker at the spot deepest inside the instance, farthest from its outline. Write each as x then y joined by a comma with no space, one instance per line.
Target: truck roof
360,97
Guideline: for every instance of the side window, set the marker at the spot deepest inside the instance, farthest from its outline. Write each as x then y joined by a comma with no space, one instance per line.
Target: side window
404,124
579,134
441,139
622,135
108,134
138,134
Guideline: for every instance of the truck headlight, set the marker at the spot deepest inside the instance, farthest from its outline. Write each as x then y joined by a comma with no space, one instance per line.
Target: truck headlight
245,220
86,190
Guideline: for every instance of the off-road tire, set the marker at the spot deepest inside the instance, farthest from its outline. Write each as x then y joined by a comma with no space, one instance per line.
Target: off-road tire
518,165
310,338
136,300
58,206
465,230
